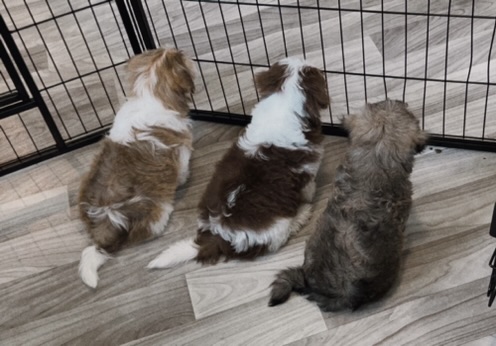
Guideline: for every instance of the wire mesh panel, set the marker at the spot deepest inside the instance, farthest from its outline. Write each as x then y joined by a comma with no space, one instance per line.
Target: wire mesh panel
435,55
75,51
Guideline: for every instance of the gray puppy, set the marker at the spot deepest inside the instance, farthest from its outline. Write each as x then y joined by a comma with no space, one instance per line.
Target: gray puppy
353,256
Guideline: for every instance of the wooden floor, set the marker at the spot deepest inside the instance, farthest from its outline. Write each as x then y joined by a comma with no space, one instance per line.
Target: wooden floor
346,44
440,299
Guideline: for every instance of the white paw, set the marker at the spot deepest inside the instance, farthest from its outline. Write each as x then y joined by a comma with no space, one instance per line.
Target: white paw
89,278
163,260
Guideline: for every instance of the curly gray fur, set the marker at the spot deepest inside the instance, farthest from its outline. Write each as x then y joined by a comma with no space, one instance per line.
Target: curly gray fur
353,256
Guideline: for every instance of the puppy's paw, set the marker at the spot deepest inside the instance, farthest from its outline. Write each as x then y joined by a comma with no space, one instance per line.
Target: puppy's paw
164,260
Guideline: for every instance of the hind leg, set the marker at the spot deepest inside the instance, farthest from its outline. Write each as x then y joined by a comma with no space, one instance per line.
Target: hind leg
158,227
301,218
107,239
184,156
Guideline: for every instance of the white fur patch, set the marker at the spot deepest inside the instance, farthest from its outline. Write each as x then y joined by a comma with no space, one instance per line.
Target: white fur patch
308,191
177,253
184,157
117,219
233,195
276,119
142,113
158,227
155,142
241,240
91,260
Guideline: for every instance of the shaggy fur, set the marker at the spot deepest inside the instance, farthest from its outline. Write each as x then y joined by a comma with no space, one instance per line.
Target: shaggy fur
261,190
354,254
127,195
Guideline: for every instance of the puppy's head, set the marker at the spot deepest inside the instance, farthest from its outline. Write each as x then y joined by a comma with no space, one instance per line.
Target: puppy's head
166,74
388,126
303,85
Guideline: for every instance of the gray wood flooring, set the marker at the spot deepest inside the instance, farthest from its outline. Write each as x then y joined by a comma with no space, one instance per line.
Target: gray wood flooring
89,42
440,299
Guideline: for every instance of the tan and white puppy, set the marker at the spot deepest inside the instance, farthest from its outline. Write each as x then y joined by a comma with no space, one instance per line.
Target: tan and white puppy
128,194
262,189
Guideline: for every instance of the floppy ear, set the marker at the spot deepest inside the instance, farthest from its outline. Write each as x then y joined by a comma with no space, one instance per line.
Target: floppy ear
178,71
348,121
420,142
315,88
270,81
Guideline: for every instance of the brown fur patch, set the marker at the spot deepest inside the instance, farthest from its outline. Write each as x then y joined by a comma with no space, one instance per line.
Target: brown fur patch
271,189
271,80
212,248
118,174
316,98
174,76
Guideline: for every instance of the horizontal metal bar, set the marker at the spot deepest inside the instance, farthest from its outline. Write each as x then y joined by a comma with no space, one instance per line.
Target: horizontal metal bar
59,16
469,143
360,74
8,111
340,9
8,98
51,152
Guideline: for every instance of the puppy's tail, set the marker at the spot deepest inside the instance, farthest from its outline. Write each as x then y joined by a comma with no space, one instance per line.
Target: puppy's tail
180,252
288,280
91,259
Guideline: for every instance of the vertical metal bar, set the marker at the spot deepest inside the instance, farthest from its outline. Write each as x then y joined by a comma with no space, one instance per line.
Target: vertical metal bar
446,66
14,77
426,60
142,21
469,68
301,30
38,73
383,50
342,54
363,51
488,80
282,29
232,59
263,33
406,50
170,25
213,55
196,56
128,26
33,89
56,68
247,47
324,57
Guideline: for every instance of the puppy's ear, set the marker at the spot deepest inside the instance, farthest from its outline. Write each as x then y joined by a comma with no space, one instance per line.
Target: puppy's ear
348,121
314,85
271,80
179,72
420,142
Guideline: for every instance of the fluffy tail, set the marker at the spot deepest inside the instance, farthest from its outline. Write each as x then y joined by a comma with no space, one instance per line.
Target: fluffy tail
180,252
293,279
91,260
288,280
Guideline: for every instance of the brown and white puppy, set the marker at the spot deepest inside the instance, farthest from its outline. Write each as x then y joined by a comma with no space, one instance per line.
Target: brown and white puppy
128,194
262,188
353,256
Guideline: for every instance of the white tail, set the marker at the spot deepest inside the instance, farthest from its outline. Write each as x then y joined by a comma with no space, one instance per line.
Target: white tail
91,260
180,252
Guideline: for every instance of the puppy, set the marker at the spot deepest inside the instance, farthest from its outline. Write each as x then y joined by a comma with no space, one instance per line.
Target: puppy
128,193
262,188
354,254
